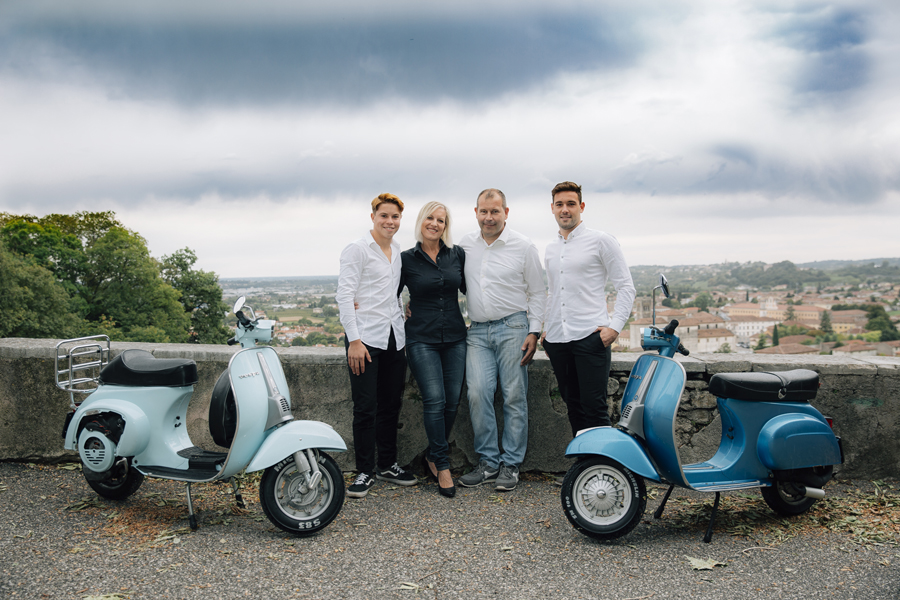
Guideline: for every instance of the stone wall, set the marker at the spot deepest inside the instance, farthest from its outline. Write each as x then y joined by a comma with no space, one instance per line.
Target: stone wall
861,394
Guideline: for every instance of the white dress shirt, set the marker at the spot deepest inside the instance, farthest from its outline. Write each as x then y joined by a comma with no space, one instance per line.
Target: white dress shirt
368,278
578,269
504,278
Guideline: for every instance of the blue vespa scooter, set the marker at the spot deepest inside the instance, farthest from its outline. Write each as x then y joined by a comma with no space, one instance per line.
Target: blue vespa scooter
772,438
133,424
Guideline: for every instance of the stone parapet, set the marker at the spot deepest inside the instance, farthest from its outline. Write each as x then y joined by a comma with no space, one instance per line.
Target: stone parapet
862,395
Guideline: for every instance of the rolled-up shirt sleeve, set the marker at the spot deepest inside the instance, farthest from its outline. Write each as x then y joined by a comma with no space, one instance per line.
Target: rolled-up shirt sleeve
535,290
349,276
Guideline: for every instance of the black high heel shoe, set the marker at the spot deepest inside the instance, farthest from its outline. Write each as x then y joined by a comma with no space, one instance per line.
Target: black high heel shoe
428,473
448,492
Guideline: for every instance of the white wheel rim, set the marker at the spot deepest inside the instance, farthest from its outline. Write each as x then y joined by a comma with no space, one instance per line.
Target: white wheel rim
602,495
296,500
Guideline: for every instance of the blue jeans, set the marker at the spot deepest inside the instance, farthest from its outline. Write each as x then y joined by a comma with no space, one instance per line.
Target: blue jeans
438,369
495,350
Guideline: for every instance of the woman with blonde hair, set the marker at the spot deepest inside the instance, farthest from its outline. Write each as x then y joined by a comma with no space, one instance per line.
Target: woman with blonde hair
433,272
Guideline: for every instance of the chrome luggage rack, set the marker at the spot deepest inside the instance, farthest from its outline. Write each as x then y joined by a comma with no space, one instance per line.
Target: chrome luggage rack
83,359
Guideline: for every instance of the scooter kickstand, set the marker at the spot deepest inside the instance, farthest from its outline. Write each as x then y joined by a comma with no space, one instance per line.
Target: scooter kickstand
712,519
237,493
662,506
192,520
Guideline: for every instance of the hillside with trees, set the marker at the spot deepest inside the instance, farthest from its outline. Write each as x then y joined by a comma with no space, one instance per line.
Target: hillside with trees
86,273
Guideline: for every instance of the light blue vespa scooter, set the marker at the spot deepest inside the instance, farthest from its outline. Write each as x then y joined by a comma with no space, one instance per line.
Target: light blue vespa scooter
133,424
772,438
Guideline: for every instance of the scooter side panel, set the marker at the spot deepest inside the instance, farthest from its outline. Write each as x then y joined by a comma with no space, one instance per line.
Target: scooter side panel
617,445
660,410
797,441
294,436
136,434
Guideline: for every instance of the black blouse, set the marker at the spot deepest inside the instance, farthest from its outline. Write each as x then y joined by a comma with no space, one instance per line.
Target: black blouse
432,294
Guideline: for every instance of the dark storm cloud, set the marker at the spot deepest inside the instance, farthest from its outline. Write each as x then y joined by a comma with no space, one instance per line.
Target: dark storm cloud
347,62
832,41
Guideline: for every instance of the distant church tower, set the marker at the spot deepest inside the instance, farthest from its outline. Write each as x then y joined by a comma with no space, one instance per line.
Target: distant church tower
643,307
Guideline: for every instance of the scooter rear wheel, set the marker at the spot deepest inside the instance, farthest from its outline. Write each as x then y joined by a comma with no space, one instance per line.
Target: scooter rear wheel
783,499
602,499
118,488
292,506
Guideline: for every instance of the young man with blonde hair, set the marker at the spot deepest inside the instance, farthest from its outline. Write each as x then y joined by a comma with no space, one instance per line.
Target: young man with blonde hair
369,278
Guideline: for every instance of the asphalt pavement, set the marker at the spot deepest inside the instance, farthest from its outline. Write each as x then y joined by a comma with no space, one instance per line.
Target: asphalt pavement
60,540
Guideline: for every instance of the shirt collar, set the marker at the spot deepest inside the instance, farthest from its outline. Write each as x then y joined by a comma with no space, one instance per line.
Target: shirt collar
374,244
441,247
503,237
572,234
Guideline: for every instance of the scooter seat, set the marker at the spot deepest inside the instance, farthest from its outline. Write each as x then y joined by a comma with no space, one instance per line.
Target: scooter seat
799,385
139,368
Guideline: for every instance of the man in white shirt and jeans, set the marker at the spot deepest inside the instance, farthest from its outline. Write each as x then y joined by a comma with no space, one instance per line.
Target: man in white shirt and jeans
505,298
578,329
375,340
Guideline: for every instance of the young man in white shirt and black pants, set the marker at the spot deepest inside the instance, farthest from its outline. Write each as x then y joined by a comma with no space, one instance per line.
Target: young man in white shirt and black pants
578,330
375,340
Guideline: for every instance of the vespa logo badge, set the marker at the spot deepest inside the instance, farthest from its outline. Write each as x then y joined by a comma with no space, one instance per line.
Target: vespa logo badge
253,374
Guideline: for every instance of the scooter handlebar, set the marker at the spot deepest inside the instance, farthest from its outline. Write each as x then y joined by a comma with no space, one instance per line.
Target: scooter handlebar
243,319
231,341
682,349
670,328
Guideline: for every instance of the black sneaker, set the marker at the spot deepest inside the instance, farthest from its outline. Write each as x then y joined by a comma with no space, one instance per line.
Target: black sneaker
362,485
396,474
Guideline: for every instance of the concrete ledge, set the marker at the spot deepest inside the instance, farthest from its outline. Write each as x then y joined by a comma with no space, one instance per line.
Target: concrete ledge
861,394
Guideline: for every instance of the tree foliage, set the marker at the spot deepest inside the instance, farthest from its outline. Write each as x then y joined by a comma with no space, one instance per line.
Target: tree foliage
89,274
201,296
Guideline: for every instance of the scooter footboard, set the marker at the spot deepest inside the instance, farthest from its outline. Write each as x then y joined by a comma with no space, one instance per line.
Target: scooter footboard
617,445
295,436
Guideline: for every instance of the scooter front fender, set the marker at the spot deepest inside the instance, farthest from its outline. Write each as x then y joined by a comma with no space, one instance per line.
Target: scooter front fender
135,436
294,436
617,445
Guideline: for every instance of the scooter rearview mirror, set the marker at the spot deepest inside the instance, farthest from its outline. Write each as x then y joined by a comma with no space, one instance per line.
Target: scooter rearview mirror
239,304
664,284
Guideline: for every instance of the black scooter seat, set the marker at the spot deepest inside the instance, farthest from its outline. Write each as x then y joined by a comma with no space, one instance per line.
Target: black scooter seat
799,385
139,368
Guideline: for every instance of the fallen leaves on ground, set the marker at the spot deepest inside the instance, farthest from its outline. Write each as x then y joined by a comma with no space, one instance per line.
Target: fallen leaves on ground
869,518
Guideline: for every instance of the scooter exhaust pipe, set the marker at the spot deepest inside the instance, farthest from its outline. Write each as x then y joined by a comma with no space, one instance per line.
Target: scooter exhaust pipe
810,492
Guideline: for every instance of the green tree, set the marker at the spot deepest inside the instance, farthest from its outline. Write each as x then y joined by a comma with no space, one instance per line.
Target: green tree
761,343
775,335
703,301
723,349
201,297
299,341
825,322
790,315
123,283
35,305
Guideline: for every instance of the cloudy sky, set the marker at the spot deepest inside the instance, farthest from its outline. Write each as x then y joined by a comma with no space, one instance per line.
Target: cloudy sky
257,133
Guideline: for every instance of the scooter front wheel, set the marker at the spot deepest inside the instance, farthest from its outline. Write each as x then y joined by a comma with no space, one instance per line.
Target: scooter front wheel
292,505
603,499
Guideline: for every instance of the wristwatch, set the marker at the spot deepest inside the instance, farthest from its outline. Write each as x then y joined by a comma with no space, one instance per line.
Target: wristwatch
536,334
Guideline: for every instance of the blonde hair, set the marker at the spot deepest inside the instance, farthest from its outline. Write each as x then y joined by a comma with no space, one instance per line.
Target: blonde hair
389,198
426,212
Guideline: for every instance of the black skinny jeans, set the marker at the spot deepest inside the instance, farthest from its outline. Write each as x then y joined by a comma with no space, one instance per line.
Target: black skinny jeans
582,371
377,395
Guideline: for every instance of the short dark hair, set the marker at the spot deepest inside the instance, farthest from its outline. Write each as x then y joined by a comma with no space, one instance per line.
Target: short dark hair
566,186
490,193
389,198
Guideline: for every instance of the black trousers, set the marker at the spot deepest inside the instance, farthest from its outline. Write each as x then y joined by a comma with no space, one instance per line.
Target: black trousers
377,394
582,371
